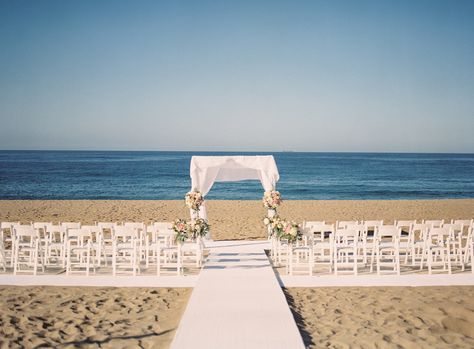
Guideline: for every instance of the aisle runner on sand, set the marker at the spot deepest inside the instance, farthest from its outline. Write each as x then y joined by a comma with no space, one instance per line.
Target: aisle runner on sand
237,303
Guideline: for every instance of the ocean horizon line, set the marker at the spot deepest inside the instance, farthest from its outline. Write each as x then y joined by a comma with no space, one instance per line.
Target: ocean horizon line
266,152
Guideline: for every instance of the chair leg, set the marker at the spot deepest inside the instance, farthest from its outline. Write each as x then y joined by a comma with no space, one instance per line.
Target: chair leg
114,263
429,257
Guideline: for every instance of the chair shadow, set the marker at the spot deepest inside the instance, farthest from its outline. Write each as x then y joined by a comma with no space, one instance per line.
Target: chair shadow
300,323
99,342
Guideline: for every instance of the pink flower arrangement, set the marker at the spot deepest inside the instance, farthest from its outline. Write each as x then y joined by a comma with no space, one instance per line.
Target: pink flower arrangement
272,199
194,200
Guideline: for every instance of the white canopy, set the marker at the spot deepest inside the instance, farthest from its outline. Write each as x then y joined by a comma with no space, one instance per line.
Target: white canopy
205,170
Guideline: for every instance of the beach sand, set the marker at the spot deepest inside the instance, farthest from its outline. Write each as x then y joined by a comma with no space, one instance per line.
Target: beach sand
232,219
384,317
89,317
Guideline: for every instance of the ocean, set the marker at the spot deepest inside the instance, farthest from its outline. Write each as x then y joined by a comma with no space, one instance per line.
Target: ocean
152,175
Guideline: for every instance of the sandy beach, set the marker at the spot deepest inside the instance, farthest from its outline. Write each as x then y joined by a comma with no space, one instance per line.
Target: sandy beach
232,219
384,317
89,317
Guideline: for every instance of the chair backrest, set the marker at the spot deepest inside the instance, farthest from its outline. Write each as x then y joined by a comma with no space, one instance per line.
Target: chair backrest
78,232
439,235
434,223
55,233
464,222
94,231
360,228
40,225
421,229
372,224
405,225
123,233
106,225
346,236
70,225
136,225
78,237
388,231
456,229
310,224
344,224
8,225
25,233
164,228
317,232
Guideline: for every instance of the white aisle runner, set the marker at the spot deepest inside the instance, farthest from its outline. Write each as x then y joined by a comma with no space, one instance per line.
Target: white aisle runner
237,303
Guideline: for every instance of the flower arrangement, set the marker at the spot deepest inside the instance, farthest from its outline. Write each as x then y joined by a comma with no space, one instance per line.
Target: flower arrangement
199,228
272,199
194,200
283,229
291,232
275,223
182,230
190,230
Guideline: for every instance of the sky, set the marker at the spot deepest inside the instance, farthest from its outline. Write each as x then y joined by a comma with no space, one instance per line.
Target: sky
375,76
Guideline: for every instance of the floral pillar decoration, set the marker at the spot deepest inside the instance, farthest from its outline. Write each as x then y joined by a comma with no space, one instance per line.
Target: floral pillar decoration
271,200
194,200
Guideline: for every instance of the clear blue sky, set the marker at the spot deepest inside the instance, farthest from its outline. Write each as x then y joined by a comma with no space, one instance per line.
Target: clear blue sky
236,75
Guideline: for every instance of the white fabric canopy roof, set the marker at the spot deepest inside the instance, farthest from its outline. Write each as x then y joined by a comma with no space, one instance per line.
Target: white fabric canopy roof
205,170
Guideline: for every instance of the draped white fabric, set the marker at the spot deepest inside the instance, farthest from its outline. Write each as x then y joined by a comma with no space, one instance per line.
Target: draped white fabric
205,170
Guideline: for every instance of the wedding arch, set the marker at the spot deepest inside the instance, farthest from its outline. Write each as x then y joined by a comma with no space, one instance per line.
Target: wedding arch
205,170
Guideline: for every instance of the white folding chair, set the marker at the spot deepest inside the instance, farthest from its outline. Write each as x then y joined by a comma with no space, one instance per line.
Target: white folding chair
79,253
438,250
96,242
141,242
386,249
6,235
418,240
106,245
125,250
26,250
191,253
368,237
55,245
469,254
300,259
3,258
345,250
159,235
457,242
168,258
322,244
406,231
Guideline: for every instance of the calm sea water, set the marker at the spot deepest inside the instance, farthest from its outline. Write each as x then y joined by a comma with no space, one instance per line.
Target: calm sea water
165,175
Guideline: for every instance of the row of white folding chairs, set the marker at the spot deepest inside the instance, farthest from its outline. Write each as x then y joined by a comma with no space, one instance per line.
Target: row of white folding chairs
434,242
75,247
